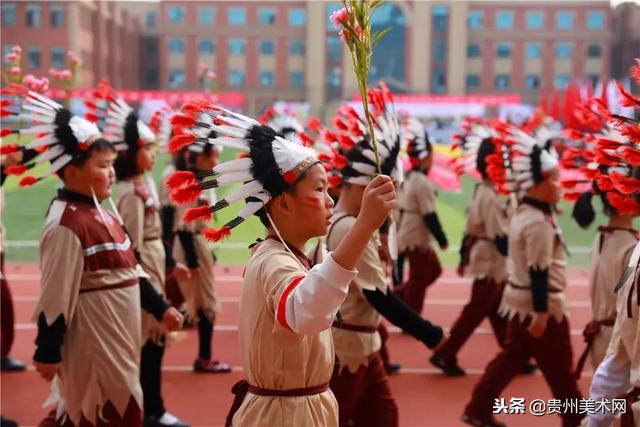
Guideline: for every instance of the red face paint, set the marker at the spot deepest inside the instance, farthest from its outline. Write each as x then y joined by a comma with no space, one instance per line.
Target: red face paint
313,201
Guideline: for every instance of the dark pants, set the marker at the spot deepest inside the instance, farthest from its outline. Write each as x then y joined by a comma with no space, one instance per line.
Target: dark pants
485,300
174,295
384,350
6,315
424,270
109,417
364,397
554,356
151,378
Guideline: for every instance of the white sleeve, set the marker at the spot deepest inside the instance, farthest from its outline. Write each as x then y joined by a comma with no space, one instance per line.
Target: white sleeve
310,302
610,380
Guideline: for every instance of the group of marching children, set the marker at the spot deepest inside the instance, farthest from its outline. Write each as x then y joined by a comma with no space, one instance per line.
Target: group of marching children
311,335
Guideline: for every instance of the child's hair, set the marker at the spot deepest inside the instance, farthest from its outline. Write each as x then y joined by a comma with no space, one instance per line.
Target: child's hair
126,165
485,149
291,189
99,145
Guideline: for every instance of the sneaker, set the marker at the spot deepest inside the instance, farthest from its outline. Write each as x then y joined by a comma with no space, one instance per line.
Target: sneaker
211,366
450,369
492,422
529,368
392,368
6,422
166,420
9,364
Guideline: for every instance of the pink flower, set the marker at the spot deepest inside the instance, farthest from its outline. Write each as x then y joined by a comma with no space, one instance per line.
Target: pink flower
65,74
10,57
29,79
14,70
54,73
340,17
17,50
359,32
44,85
211,75
73,58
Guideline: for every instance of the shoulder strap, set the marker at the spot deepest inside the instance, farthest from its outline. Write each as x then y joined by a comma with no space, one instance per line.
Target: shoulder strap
333,224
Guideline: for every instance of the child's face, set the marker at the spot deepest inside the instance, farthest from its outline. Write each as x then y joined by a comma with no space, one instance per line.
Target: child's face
310,207
97,173
146,157
207,161
548,190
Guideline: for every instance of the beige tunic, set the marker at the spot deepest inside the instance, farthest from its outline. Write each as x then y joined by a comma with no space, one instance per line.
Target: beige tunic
199,291
417,197
534,241
353,349
139,210
275,357
625,340
487,220
610,256
90,277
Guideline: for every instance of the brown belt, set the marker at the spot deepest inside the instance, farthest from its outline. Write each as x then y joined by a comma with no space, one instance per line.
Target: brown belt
528,288
127,284
241,388
355,328
626,420
148,239
590,332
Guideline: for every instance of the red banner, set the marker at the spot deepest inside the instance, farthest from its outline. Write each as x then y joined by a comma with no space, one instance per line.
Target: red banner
174,98
488,100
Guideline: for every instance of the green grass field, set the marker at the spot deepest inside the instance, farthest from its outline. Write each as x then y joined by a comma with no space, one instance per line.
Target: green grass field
25,209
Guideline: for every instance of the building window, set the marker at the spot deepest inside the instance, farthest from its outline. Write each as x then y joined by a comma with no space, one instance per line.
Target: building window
236,78
8,14
594,51
438,81
206,46
475,20
57,57
504,19
595,20
334,48
440,17
206,15
563,50
266,78
236,46
176,14
502,81
297,17
296,48
562,81
267,16
176,77
473,50
56,15
33,15
473,81
439,52
151,19
237,16
296,79
503,50
334,79
266,47
564,20
594,79
535,20
33,57
6,49
532,81
176,45
533,50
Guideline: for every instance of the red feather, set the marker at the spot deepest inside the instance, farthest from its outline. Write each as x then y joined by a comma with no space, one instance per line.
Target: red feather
571,196
200,213
28,181
608,144
216,235
90,104
635,71
632,132
306,139
16,169
604,183
179,141
571,183
346,142
5,103
589,173
625,184
10,148
624,205
180,179
335,181
19,89
339,161
627,99
185,195
314,124
92,117
6,131
630,156
5,113
183,120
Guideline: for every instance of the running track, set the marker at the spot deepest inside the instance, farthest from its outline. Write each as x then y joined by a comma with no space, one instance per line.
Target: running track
424,396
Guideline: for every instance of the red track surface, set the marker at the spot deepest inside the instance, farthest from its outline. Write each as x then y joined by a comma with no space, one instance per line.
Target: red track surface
424,397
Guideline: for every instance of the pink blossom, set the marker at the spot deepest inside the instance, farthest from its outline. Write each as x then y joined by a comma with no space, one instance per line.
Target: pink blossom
14,70
29,79
10,57
65,74
54,73
44,85
17,50
340,17
73,58
211,75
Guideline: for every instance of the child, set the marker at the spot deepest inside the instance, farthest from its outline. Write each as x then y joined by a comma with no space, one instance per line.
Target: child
286,307
533,300
88,311
138,205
